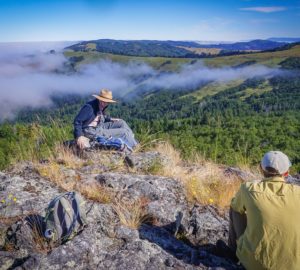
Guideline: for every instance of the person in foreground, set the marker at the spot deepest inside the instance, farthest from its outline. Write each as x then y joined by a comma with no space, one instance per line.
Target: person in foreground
265,218
91,122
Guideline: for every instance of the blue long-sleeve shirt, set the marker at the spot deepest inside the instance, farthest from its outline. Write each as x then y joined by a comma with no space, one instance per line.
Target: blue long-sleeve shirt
85,116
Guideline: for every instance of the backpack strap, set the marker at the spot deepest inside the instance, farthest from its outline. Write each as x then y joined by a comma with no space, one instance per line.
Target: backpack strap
81,216
72,196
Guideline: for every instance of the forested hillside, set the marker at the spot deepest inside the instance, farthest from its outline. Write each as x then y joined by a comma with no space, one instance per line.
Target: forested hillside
231,123
235,126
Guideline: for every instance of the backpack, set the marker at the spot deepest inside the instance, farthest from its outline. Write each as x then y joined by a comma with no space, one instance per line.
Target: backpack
113,143
65,217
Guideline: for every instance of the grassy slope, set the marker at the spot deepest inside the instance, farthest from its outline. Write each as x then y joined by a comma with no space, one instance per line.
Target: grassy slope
261,89
214,88
271,59
155,62
267,58
202,50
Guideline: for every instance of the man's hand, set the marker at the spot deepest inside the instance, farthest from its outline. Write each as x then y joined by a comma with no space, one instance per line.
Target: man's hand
83,142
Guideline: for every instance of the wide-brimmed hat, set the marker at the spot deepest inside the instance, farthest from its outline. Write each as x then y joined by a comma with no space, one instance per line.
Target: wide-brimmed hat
105,95
275,162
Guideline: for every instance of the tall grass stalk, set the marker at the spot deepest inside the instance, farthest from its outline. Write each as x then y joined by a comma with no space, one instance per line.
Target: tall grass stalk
41,142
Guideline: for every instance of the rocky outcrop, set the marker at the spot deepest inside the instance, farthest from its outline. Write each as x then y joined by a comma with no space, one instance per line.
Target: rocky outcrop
173,233
180,235
176,234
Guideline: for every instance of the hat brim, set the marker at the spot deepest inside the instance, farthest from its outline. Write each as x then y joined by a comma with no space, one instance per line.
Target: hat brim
104,99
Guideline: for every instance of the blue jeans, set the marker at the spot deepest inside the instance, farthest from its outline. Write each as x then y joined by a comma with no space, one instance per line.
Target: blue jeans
116,129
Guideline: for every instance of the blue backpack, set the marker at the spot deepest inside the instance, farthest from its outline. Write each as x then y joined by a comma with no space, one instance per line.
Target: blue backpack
113,143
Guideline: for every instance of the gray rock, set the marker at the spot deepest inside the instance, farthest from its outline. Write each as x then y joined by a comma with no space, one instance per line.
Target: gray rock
31,194
207,225
294,179
6,260
165,195
245,176
174,241
142,161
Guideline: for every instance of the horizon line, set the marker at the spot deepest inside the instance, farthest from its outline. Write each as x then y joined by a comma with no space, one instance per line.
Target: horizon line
187,40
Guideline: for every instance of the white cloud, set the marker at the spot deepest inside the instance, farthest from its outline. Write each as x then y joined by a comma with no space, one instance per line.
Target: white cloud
31,80
191,76
265,9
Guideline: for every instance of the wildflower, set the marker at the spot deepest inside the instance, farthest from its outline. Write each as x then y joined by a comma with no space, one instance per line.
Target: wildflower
210,200
3,201
15,199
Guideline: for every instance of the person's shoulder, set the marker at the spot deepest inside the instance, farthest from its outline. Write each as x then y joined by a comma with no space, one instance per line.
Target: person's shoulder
92,103
251,185
295,188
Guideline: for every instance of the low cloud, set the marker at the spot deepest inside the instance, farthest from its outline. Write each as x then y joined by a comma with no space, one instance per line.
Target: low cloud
265,9
29,80
191,76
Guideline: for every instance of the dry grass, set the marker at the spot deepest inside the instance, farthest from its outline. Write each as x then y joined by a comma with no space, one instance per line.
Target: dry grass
55,170
169,151
147,143
8,221
204,181
216,190
66,156
56,174
95,192
173,166
39,243
8,246
132,213
31,235
61,176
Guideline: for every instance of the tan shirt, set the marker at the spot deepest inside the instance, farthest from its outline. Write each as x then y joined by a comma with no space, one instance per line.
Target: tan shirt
272,237
96,121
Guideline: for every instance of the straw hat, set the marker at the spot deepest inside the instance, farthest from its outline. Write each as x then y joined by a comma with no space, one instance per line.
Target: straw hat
105,95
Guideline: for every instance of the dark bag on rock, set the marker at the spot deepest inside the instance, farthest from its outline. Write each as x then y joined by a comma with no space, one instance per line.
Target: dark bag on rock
65,217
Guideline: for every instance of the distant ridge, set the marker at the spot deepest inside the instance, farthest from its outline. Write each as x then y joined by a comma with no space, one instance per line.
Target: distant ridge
284,39
253,45
169,48
137,47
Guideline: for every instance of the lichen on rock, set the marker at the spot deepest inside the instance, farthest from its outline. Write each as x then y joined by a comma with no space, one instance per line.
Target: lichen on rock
179,234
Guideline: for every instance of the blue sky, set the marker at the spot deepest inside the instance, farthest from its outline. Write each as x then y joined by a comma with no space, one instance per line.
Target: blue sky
213,20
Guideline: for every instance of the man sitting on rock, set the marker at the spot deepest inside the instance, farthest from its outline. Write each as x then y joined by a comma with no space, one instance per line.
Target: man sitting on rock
92,122
265,217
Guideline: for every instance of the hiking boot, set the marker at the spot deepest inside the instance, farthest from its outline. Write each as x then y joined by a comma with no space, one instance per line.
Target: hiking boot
128,160
224,251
